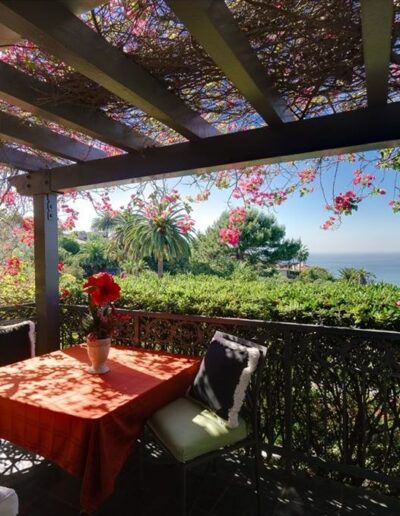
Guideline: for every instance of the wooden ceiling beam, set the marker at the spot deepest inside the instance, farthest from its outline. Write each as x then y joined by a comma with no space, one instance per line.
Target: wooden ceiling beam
9,37
55,29
348,132
377,23
24,161
40,99
214,27
14,129
80,6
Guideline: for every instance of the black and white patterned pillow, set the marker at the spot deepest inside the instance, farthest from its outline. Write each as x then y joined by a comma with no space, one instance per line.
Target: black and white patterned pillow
17,342
224,375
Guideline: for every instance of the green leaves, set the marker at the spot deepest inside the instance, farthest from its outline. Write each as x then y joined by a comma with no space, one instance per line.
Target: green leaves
154,232
332,303
337,303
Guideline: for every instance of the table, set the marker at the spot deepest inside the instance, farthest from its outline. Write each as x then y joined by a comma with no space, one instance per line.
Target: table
88,424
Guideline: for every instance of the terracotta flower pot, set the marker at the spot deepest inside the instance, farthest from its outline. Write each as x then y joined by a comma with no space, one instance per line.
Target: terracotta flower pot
98,352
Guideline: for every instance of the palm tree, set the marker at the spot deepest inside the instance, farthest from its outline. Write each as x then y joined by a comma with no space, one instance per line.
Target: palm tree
302,255
160,235
353,275
104,223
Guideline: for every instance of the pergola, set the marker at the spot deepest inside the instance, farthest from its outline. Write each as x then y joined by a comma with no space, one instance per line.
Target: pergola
56,28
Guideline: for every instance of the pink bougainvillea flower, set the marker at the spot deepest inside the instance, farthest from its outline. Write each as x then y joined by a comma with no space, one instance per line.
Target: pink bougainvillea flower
307,175
222,180
203,196
171,197
230,236
346,203
328,223
363,179
237,216
251,183
395,205
8,198
186,224
24,233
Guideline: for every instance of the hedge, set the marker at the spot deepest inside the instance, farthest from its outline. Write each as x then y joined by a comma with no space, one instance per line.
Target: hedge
332,303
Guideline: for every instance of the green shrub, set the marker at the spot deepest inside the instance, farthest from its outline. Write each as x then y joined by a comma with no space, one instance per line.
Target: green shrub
330,303
315,273
19,288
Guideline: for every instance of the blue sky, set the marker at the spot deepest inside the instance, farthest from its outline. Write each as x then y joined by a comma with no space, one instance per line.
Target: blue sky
373,229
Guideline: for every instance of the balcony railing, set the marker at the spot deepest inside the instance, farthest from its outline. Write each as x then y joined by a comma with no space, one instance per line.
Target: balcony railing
17,312
331,396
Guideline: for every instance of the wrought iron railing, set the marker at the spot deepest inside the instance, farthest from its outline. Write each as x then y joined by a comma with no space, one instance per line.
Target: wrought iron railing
331,395
331,402
17,312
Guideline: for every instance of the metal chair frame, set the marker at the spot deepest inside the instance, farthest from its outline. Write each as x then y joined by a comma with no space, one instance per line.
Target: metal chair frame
251,415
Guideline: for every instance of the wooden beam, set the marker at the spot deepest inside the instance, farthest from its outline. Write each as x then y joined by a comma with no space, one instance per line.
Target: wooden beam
65,36
213,25
353,131
377,23
24,161
46,273
40,99
80,6
17,130
7,36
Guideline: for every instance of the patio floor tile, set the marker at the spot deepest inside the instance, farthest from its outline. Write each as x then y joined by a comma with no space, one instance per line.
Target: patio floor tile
45,490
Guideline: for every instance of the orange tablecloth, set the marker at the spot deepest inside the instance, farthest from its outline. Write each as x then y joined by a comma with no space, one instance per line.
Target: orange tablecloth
88,424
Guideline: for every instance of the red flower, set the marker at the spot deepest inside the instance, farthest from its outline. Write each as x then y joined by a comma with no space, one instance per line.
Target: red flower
13,266
65,293
60,266
230,236
102,291
102,288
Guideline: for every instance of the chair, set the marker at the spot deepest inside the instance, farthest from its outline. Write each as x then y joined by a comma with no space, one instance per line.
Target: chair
193,434
8,502
17,342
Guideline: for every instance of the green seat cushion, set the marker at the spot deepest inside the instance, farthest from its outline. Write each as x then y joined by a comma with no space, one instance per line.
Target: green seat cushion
189,430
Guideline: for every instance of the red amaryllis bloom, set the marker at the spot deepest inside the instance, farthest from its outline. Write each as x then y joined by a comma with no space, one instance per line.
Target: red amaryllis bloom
102,288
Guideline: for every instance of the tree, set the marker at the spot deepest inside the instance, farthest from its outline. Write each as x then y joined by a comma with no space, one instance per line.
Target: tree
354,275
93,257
260,243
302,255
159,229
209,256
10,222
69,244
104,223
315,273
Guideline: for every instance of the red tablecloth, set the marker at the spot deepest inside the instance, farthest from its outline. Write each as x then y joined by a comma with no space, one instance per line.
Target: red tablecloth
88,424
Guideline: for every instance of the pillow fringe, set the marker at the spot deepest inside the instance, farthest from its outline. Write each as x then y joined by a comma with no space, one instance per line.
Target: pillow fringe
240,391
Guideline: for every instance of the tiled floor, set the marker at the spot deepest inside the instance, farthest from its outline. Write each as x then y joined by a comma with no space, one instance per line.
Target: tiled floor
45,490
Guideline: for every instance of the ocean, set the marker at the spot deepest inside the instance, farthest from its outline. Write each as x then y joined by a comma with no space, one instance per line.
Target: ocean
385,266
